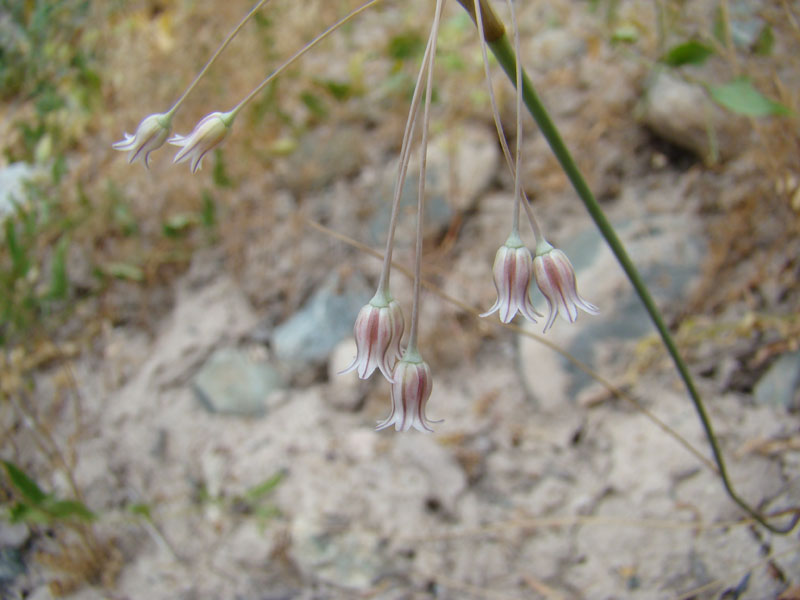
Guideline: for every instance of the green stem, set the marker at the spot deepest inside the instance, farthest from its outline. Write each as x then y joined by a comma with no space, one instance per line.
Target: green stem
501,48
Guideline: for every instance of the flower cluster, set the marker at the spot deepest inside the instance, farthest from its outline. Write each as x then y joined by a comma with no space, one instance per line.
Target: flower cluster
380,326
554,275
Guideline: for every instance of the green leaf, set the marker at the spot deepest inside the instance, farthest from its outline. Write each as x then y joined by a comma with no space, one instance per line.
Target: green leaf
208,216
625,34
260,490
122,270
179,224
765,42
59,169
219,175
741,97
340,90
314,104
59,283
24,484
23,513
720,28
65,509
405,45
688,53
19,257
266,512
141,510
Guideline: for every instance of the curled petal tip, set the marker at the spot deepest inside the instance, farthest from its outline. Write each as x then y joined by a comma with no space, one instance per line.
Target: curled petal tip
209,132
150,135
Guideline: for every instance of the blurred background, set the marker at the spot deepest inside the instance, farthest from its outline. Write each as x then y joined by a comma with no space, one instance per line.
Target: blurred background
172,424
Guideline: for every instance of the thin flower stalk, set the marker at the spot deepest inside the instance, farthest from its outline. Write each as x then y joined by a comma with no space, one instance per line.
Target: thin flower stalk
519,194
512,268
405,156
235,110
378,329
207,136
154,129
413,334
216,54
412,380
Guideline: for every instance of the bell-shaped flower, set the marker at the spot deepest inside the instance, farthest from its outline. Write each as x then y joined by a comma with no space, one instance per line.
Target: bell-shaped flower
150,135
556,279
207,134
410,392
378,332
512,278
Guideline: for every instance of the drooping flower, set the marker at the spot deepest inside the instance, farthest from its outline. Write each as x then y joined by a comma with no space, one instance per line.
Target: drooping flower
378,332
209,132
556,279
512,278
410,392
150,135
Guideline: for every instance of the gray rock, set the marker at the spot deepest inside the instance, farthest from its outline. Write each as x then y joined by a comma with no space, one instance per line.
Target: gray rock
307,338
349,558
232,383
681,113
745,24
466,159
323,155
438,212
13,535
11,566
780,385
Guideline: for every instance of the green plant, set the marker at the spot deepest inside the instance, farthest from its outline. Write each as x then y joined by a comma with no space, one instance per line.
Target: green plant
36,507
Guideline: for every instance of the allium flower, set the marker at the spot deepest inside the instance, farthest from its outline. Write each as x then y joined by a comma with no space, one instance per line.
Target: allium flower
410,392
512,278
209,132
556,279
150,135
378,331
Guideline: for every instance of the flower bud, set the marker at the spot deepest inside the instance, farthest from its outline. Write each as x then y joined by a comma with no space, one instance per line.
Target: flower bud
556,279
512,278
150,135
209,132
378,331
410,392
